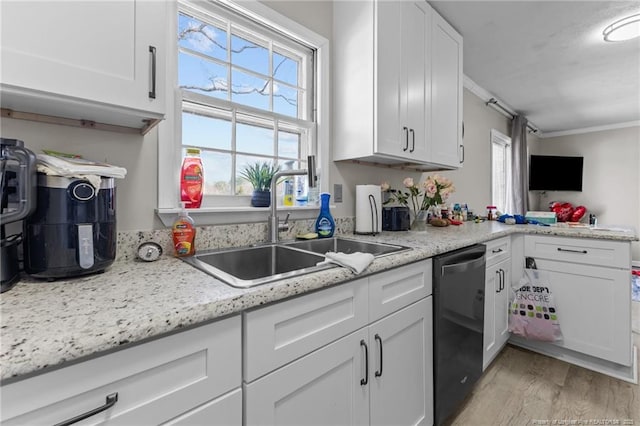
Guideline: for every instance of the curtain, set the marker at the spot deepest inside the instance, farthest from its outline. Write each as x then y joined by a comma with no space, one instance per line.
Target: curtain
519,200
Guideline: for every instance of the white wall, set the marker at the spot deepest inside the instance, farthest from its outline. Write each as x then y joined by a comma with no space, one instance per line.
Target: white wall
136,195
611,175
473,180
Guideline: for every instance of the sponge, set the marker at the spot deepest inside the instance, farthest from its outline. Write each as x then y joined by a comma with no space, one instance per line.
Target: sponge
307,236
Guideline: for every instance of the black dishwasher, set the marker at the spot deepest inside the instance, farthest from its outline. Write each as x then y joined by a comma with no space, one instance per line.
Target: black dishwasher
458,323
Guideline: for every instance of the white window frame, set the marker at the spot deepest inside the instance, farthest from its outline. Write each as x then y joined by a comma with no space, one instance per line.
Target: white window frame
236,208
503,141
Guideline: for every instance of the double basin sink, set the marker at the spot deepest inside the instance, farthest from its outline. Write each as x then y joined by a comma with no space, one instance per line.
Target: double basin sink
250,266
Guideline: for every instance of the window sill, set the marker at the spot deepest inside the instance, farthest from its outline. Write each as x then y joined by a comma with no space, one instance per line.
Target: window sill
229,215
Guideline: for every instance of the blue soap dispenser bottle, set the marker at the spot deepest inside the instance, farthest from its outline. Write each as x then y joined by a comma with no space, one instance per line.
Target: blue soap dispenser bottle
325,226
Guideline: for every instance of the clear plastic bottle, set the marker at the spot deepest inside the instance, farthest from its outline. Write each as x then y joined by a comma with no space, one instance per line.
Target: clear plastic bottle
287,199
301,191
325,225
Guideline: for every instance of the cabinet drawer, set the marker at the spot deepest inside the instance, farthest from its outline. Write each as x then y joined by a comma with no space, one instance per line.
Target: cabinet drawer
392,290
282,332
613,254
155,381
498,250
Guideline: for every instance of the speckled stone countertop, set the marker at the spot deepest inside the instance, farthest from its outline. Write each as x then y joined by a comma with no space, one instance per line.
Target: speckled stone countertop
46,324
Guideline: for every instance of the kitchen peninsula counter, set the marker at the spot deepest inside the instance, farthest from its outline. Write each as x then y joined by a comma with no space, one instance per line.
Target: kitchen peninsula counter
45,325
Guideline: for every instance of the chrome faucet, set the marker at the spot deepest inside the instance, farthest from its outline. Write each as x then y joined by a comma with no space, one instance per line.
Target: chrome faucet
275,226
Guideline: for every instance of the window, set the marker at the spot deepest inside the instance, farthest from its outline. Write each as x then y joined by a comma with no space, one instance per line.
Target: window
246,94
500,170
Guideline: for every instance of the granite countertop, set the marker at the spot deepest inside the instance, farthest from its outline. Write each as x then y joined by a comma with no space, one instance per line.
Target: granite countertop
46,324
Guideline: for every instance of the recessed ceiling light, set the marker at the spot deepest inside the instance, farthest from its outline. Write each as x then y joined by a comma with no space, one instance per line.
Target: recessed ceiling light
624,29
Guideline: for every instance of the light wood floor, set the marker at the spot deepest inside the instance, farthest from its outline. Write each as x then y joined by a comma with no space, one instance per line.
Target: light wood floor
524,388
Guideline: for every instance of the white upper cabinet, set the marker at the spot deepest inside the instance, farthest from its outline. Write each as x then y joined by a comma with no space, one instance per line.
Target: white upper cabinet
401,80
100,60
446,94
383,68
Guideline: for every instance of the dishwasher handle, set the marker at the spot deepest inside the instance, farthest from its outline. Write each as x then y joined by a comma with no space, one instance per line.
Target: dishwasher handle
462,266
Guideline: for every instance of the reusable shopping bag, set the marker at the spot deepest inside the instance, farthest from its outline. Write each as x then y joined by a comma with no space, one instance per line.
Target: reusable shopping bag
533,313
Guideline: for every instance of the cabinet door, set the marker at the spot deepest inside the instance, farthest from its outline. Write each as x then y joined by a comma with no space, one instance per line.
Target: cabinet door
99,51
446,94
223,411
503,297
322,388
491,287
401,367
415,76
391,135
594,309
402,79
496,306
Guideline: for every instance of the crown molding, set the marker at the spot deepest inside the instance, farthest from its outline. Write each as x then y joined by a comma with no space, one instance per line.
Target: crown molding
590,129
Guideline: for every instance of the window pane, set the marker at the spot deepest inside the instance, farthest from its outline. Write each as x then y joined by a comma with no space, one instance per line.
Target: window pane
201,76
285,69
205,132
498,176
201,37
288,145
242,186
250,90
254,139
285,100
217,173
249,55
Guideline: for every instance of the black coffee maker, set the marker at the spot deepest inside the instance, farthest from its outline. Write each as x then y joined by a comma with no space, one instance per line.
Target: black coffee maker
73,230
18,201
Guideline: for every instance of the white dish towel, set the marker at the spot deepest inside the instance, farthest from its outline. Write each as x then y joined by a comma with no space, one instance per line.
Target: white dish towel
357,262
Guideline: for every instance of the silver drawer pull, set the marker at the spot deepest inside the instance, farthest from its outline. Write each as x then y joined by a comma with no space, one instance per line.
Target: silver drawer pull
496,250
110,402
572,251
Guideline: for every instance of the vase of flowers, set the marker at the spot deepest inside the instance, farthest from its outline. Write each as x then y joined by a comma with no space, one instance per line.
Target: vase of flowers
430,194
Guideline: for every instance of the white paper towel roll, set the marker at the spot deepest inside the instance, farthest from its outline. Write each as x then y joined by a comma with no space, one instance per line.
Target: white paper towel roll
368,209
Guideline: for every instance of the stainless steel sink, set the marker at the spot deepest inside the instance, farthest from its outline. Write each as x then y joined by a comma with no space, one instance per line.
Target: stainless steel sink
250,266
345,245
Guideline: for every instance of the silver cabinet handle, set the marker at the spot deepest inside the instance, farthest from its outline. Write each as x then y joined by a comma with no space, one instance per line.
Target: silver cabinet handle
496,250
152,92
462,160
413,143
499,287
110,402
378,373
365,381
502,275
572,251
405,130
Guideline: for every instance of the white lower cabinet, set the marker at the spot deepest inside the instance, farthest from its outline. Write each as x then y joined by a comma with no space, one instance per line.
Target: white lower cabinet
496,298
365,363
496,310
401,367
590,283
180,379
320,388
379,375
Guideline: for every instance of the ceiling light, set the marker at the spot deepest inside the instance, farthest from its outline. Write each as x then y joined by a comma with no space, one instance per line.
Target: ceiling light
624,29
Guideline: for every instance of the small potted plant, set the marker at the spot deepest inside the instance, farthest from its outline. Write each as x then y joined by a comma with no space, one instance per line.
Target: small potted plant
259,175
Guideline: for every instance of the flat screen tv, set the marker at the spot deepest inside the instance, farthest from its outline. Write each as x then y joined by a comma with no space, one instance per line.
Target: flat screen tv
555,173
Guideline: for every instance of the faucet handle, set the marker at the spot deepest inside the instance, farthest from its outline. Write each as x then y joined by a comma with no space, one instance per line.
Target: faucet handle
284,226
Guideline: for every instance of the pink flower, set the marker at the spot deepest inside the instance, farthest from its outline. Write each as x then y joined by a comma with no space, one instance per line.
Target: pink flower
408,182
430,190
